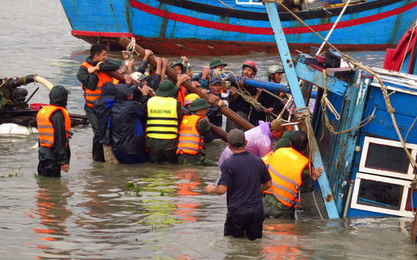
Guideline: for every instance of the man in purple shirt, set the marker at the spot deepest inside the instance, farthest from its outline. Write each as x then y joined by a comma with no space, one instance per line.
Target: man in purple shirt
260,139
243,176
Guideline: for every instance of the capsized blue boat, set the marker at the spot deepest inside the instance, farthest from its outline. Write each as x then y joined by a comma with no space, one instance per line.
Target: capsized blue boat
235,27
367,144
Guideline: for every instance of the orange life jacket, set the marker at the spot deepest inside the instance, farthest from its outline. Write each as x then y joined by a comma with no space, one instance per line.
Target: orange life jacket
103,77
45,127
190,141
286,166
181,95
267,157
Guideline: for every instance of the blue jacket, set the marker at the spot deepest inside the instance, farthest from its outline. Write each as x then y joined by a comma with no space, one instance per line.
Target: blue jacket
128,118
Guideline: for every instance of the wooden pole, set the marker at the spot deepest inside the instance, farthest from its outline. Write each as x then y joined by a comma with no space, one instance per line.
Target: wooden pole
124,41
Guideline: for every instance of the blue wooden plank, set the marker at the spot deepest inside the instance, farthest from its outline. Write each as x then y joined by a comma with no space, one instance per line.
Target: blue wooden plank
328,198
345,144
315,77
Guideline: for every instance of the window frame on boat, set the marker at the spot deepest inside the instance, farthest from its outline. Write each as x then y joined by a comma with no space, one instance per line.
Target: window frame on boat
402,211
392,174
384,176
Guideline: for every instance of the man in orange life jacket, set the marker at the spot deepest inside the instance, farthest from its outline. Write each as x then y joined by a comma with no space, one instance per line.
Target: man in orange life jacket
54,125
181,78
93,74
288,169
194,132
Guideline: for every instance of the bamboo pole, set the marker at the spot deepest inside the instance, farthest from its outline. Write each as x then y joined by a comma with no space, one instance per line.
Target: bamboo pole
124,41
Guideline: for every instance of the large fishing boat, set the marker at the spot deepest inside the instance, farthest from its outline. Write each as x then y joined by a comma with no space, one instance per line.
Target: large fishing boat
232,27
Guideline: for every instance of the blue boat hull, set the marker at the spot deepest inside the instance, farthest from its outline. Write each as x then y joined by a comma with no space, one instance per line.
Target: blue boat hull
209,28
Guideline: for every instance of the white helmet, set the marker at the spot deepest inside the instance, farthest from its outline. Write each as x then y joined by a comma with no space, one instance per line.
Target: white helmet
138,76
274,69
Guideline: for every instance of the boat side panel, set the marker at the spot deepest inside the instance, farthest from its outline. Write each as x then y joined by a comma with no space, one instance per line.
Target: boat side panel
213,34
405,112
381,126
180,23
257,12
97,16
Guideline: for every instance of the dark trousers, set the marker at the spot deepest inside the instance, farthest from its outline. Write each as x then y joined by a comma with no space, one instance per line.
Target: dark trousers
98,153
230,124
162,150
48,165
244,224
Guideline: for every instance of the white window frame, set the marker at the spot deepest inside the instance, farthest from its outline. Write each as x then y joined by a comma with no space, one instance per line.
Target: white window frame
402,212
248,2
362,168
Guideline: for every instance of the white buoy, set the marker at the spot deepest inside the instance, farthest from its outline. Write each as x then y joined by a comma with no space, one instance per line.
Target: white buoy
14,129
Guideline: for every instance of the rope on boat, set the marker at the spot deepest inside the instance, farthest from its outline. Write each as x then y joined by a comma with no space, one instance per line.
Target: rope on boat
251,100
130,48
241,91
384,89
410,128
325,103
303,114
226,5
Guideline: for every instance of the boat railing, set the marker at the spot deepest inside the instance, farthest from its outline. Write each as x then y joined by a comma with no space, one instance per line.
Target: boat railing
396,81
248,2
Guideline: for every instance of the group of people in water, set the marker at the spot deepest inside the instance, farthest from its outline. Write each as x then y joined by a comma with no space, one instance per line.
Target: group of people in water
138,117
158,119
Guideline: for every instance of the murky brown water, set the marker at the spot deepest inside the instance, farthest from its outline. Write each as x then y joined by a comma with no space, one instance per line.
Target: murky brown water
89,214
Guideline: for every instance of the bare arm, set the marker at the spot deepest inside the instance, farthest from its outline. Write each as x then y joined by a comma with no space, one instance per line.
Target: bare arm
158,65
164,67
216,189
266,186
181,78
147,54
316,173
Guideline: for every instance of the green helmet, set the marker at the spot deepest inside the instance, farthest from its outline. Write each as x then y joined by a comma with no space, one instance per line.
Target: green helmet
274,69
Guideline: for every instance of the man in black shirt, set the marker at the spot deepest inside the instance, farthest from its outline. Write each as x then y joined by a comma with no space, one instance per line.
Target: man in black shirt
243,176
213,114
236,102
